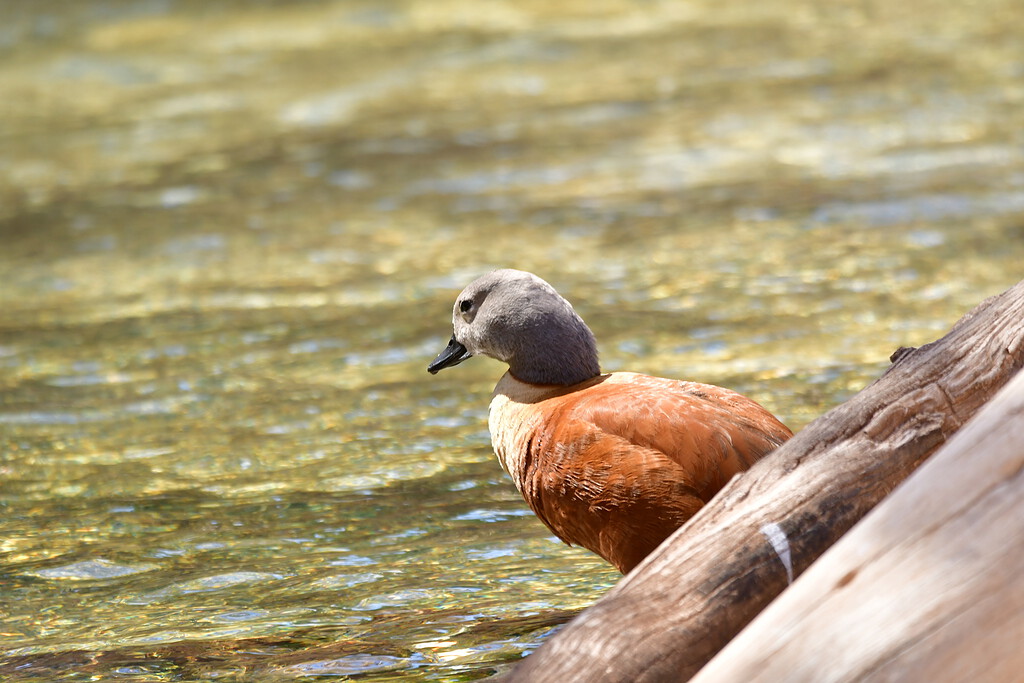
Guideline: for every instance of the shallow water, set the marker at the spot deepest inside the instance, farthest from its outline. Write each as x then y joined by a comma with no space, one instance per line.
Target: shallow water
232,234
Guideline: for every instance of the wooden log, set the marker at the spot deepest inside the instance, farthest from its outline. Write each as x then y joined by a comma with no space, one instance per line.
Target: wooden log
679,607
928,587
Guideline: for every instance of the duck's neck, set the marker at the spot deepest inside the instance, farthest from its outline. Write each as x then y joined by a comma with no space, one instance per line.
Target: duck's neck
561,375
565,359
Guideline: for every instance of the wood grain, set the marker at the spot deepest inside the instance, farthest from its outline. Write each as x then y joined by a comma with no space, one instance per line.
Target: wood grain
928,587
676,610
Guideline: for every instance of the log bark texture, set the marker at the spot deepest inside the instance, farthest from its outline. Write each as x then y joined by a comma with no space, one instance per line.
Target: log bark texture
679,607
928,587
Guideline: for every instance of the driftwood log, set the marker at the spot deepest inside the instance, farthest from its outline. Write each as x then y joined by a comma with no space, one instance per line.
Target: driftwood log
928,587
689,598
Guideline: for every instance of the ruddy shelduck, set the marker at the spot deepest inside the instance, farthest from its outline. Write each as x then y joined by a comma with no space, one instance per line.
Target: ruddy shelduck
612,462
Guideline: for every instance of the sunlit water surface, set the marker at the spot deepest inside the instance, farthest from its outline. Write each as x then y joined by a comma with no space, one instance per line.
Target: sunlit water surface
232,233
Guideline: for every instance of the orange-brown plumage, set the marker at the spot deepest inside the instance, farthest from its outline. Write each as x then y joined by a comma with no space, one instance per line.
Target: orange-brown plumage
618,462
612,462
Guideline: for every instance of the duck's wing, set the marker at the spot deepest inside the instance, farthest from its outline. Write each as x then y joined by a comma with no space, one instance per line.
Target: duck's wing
711,433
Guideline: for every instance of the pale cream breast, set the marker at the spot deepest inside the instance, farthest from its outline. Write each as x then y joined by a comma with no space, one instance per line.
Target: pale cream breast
512,420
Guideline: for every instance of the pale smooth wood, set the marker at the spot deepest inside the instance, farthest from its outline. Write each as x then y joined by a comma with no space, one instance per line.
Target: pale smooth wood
928,587
669,616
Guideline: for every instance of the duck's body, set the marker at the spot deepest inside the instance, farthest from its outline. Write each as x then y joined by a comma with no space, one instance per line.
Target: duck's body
618,462
612,462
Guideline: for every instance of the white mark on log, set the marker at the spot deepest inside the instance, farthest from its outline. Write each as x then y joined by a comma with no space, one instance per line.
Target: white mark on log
777,537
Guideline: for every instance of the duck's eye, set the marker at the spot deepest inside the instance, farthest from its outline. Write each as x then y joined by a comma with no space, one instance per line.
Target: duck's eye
465,305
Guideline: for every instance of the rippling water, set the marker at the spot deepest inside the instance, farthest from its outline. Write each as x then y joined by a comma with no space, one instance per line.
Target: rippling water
232,234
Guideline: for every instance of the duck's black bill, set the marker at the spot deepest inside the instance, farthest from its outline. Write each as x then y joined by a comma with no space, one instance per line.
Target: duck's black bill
452,355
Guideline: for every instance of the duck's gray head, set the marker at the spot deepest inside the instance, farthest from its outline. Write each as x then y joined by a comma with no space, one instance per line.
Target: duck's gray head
518,318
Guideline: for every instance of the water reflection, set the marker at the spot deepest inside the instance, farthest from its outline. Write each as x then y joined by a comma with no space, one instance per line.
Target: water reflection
232,235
